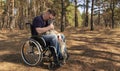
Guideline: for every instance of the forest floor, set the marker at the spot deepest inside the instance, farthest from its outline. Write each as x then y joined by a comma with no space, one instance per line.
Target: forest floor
89,51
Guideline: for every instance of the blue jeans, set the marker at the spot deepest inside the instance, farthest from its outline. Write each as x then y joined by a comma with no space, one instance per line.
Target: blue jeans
53,40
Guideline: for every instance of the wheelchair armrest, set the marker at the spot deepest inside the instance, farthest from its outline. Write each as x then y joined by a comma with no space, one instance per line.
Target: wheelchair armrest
40,40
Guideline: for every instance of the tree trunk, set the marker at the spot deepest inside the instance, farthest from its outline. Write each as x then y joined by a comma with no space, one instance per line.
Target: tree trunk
112,9
84,6
34,7
86,18
92,16
76,17
62,16
12,19
99,13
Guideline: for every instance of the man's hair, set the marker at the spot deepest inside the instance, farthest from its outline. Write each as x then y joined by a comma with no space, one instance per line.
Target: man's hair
51,12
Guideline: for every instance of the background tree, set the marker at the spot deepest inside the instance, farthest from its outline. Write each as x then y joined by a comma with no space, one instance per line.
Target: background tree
76,15
86,15
98,10
62,16
112,7
92,28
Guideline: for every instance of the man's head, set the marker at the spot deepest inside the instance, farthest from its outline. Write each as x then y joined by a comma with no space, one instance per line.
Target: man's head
50,14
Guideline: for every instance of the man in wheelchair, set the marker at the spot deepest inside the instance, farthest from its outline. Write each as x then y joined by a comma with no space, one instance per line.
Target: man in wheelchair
40,26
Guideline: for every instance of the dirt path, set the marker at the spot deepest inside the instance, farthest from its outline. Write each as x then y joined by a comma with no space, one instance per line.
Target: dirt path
89,51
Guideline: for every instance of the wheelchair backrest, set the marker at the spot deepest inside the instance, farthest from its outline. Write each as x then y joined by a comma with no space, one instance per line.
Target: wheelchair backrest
30,25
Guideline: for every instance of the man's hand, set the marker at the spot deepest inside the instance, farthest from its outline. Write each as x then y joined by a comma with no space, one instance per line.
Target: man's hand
51,26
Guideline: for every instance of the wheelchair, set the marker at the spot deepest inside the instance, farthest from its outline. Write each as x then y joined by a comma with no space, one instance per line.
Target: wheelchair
34,50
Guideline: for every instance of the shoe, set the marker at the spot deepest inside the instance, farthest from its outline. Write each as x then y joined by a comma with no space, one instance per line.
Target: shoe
54,65
60,58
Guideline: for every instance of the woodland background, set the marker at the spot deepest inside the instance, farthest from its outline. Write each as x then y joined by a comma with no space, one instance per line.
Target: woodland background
104,13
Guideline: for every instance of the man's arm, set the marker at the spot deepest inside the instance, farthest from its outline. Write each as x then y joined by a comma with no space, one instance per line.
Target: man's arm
44,29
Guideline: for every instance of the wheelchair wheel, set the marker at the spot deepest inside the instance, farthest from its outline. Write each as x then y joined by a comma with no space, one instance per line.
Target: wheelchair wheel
31,52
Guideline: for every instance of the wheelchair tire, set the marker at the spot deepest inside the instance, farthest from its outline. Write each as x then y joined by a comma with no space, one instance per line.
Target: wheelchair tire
31,52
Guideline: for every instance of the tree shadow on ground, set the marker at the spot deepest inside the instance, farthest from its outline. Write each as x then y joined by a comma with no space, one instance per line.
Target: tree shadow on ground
17,59
95,53
106,66
10,45
108,63
13,58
